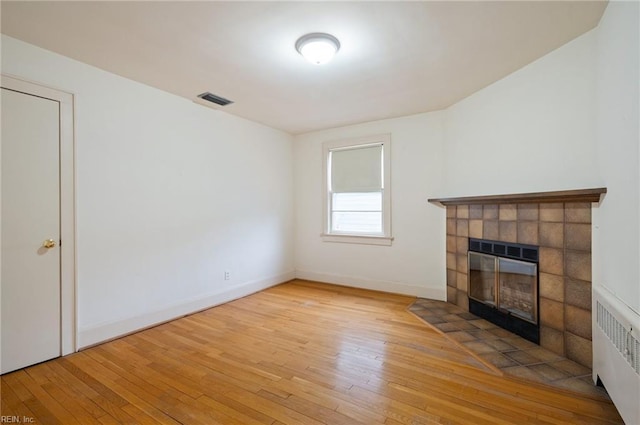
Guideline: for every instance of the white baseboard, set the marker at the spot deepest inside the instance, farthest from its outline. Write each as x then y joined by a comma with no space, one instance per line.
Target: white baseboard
94,335
375,285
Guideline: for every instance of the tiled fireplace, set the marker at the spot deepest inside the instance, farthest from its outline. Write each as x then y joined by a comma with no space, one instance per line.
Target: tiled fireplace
562,231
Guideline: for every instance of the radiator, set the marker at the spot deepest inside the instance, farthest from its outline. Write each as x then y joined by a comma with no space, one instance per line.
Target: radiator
616,352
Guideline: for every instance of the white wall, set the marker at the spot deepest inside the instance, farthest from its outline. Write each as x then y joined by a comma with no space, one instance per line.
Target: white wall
170,194
617,230
414,264
531,131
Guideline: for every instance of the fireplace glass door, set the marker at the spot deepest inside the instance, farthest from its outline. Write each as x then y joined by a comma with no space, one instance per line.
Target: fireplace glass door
482,278
518,288
508,285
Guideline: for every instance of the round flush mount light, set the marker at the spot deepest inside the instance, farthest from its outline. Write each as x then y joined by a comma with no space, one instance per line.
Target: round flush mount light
318,48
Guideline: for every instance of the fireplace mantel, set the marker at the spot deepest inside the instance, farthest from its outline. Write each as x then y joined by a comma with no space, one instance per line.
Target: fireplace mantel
578,195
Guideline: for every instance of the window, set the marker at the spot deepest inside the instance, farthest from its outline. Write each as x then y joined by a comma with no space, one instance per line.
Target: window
357,198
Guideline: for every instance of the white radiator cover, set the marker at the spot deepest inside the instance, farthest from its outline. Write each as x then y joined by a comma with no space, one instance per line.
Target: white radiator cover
616,352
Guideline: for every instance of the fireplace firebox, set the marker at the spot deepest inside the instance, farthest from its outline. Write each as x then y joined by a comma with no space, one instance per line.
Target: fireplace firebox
503,285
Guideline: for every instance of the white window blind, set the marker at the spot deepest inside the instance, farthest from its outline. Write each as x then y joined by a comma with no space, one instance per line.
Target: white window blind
356,170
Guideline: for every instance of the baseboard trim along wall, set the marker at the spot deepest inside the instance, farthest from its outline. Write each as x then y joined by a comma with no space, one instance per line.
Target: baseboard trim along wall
94,335
374,285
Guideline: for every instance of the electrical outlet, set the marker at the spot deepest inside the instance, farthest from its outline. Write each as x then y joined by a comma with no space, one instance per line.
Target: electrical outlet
227,275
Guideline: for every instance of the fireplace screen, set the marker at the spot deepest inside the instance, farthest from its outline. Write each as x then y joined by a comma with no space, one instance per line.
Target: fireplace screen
482,278
508,285
517,288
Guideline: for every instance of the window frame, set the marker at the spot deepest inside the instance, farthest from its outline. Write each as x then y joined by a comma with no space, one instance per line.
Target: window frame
358,238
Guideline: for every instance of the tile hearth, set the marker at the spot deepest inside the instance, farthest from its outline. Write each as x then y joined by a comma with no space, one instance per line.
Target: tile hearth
505,351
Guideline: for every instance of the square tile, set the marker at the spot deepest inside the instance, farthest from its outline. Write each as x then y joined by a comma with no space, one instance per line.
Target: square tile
551,235
452,309
499,344
434,320
451,243
551,314
482,324
578,321
571,367
552,339
460,336
461,281
549,372
551,286
451,260
578,265
462,245
475,229
416,308
498,360
451,211
524,372
528,232
461,263
451,226
501,333
478,347
475,211
481,334
462,227
552,212
520,343
490,212
545,355
465,326
452,278
490,230
577,212
577,236
551,261
462,211
508,231
446,327
463,300
522,357
528,212
452,318
578,349
578,293
508,212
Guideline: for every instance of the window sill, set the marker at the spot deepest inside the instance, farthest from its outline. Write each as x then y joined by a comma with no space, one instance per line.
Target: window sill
358,239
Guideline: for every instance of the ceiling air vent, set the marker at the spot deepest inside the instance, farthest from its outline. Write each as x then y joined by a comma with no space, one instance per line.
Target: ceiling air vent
214,99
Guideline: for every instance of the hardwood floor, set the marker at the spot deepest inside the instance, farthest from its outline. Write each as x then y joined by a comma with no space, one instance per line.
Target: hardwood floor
299,353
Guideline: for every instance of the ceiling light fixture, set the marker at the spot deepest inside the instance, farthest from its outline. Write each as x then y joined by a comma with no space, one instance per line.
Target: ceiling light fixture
318,48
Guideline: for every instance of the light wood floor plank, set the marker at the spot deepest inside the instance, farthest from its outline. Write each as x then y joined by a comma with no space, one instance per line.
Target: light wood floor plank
299,353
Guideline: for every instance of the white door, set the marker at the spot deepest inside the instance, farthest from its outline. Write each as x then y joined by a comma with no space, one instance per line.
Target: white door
30,286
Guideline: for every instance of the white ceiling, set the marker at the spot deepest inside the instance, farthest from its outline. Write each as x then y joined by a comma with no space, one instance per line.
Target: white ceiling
397,58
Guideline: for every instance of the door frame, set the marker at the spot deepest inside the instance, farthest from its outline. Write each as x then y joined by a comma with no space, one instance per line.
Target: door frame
68,304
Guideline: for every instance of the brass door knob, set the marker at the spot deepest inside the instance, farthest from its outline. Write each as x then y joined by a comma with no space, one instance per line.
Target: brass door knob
49,243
